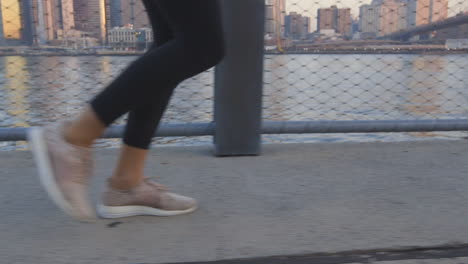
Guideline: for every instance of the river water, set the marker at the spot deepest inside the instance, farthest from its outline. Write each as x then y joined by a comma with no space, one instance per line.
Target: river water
36,90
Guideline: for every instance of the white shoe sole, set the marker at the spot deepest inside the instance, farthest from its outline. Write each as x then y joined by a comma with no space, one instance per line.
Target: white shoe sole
134,210
46,176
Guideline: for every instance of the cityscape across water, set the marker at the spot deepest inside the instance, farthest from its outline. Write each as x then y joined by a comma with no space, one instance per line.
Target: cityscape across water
125,25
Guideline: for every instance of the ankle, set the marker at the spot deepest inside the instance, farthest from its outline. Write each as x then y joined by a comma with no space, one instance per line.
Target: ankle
85,129
71,138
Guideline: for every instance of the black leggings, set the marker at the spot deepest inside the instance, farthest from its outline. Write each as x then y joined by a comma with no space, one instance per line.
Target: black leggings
188,40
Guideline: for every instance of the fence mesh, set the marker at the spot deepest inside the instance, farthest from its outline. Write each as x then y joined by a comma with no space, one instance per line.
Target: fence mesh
56,55
325,60
362,60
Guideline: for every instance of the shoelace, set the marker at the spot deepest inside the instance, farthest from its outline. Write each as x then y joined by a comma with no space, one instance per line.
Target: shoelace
158,186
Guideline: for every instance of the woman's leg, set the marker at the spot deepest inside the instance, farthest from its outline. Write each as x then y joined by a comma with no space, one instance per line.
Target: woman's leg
191,52
143,121
197,46
85,129
62,151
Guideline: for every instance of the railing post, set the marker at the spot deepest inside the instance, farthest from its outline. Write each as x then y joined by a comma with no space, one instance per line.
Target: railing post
239,79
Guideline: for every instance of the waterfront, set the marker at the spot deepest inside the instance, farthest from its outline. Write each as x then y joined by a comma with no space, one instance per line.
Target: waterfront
324,48
39,89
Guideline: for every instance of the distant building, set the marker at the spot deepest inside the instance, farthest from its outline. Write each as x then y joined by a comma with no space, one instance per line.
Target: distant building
123,12
456,44
355,26
429,11
275,12
382,17
90,17
122,38
2,32
44,27
114,13
64,15
334,18
369,20
326,18
326,35
27,21
393,15
344,22
296,26
134,12
16,22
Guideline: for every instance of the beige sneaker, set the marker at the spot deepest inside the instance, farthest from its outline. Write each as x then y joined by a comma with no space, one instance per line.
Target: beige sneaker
147,198
64,170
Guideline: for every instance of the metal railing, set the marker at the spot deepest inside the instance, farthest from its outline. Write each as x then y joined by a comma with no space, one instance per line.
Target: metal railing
325,69
329,70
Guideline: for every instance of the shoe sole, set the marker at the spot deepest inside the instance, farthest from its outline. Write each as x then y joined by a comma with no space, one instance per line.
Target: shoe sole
134,210
46,176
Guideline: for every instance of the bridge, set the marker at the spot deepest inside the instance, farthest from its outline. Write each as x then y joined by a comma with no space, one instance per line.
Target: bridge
405,35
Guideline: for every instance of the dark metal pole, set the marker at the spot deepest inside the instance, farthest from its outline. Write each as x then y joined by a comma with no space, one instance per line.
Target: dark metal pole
239,79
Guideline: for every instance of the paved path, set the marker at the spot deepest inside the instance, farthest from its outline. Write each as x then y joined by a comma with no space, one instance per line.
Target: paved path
294,199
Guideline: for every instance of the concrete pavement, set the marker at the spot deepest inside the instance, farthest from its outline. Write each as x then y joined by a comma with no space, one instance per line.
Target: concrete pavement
294,199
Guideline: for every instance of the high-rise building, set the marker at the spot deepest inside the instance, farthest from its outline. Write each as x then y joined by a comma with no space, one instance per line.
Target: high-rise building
369,20
275,14
326,18
16,22
64,20
11,20
344,21
134,12
334,18
114,13
51,22
439,10
296,26
27,22
393,15
420,12
65,15
2,32
43,21
383,17
90,17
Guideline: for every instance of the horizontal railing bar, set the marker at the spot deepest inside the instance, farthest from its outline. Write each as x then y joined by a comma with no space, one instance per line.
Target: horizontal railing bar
284,127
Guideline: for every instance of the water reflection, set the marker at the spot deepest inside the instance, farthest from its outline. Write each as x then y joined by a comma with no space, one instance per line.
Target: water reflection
15,89
425,85
277,78
40,89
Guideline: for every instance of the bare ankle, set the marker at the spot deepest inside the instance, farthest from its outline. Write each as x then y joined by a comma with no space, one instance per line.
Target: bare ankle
85,129
70,138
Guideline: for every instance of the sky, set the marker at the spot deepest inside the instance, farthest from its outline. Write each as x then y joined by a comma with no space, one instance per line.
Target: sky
309,7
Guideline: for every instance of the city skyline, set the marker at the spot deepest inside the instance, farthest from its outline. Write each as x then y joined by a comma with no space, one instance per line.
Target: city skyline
39,22
309,8
60,21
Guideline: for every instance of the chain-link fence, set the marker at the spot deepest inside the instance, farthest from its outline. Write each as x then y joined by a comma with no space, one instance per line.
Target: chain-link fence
363,60
325,60
56,55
